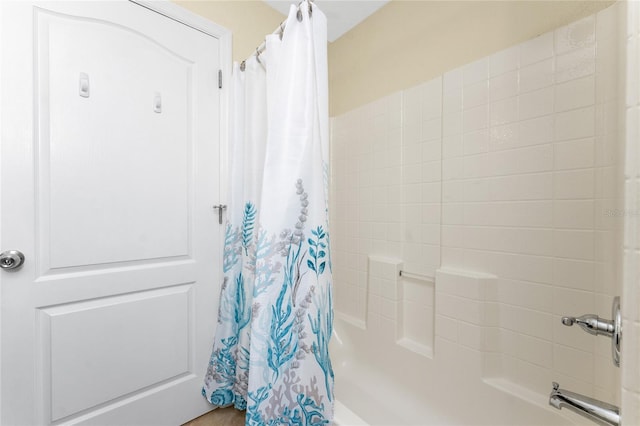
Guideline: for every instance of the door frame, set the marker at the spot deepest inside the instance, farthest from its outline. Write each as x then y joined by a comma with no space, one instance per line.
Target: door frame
224,36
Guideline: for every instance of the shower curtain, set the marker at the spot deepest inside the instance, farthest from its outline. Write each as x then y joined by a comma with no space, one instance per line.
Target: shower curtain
270,355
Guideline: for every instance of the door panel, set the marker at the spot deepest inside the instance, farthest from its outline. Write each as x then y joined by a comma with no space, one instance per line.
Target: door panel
109,159
87,364
99,153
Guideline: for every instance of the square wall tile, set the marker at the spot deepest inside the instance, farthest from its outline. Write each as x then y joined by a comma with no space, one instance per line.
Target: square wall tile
475,71
503,86
536,76
452,80
574,363
504,111
571,244
536,103
470,335
475,94
574,154
566,301
576,35
575,64
533,323
452,124
536,377
535,131
523,160
535,351
575,124
573,214
574,94
537,49
411,106
431,99
475,118
504,61
574,184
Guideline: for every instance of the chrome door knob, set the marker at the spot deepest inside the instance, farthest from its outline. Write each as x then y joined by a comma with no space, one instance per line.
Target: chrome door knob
11,259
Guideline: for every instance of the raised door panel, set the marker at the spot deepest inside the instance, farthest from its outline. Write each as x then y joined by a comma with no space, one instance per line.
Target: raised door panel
114,145
105,350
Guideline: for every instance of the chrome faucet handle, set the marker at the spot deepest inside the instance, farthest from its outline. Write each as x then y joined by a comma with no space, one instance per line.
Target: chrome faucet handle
591,323
597,326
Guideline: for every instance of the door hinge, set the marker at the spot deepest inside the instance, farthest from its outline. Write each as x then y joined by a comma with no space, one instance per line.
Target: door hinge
219,79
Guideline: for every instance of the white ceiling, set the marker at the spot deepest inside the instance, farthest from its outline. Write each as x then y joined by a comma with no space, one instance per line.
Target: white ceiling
342,15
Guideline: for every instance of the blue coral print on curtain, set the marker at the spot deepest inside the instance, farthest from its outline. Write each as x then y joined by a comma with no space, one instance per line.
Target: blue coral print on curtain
287,349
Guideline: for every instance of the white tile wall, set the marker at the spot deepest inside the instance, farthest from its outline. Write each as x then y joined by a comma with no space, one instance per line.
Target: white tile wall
527,205
386,189
630,409
507,166
384,311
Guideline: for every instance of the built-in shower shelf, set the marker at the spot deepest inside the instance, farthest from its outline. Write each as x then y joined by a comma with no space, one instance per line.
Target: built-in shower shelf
357,322
416,347
415,327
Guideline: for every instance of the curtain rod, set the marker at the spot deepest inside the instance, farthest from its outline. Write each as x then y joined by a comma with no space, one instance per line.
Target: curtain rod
279,31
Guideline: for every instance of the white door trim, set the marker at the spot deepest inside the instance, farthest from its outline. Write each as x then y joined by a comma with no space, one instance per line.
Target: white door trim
1,103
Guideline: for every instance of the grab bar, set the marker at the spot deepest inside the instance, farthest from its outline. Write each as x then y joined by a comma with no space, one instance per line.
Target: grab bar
416,276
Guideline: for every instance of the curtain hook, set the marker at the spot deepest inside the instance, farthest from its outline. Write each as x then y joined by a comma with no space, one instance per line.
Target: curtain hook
281,31
258,56
310,9
243,65
299,14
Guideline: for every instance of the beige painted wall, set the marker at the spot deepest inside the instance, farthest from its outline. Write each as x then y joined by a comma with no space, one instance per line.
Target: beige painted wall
408,42
248,20
405,42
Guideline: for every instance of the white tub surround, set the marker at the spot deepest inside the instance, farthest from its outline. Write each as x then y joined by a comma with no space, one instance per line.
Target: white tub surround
385,383
506,174
630,408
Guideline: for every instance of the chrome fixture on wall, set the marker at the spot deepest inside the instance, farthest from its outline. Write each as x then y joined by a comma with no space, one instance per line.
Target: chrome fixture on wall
588,407
597,326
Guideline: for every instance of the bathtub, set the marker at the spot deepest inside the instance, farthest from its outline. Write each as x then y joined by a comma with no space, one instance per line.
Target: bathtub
378,382
342,416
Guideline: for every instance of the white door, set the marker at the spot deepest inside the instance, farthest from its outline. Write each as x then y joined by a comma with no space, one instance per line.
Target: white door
109,170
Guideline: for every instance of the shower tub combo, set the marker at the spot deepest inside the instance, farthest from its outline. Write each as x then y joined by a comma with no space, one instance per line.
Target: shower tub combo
491,183
380,382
